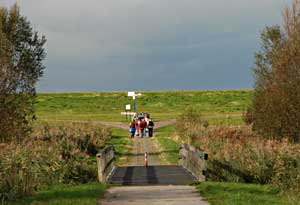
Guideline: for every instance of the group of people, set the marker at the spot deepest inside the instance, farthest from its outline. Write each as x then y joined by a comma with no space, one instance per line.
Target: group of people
141,124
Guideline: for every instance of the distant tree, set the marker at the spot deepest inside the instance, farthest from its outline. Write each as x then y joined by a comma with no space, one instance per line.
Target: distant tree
275,110
21,56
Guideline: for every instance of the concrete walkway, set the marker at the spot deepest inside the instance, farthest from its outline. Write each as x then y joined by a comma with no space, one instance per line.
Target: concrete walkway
153,195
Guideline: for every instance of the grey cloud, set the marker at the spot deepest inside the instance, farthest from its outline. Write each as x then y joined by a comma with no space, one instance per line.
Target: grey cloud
149,44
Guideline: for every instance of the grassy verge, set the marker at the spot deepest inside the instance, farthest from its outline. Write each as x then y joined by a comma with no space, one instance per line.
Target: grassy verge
236,193
168,146
123,145
84,194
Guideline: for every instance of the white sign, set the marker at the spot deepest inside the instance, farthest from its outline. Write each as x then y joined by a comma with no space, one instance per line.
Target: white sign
128,107
131,94
127,113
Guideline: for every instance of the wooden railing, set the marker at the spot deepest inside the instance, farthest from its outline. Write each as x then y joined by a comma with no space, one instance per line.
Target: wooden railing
105,162
194,160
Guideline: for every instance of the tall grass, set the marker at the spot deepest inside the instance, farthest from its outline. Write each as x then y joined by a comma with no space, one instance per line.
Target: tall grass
236,154
55,154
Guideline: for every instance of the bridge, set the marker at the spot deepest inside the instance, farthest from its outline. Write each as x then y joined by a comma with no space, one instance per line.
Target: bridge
163,183
191,167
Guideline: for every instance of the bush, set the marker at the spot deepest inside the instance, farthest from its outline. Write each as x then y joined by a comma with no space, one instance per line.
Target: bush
276,102
18,173
189,124
248,117
236,154
55,154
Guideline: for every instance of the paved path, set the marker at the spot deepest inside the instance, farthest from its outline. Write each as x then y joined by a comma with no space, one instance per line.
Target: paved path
153,195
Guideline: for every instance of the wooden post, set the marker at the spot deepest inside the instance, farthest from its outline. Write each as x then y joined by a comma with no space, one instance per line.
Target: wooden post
100,167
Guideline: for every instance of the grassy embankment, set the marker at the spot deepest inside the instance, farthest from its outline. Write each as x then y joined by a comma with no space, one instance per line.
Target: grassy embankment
220,106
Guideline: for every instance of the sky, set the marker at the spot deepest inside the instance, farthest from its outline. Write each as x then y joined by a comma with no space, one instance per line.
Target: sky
120,45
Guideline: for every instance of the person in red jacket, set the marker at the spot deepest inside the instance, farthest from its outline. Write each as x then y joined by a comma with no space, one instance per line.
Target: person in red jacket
143,126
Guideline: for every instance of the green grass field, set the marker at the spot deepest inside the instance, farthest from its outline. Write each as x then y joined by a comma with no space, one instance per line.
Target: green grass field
223,105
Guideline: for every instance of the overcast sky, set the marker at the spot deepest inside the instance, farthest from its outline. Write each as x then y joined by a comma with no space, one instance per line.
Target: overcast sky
108,45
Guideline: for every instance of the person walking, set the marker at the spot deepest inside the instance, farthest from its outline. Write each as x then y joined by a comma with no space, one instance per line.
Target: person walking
132,128
143,127
147,121
138,127
150,127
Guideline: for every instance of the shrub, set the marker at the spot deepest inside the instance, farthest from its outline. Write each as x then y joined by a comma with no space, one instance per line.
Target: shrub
18,173
236,154
276,101
189,124
248,117
56,153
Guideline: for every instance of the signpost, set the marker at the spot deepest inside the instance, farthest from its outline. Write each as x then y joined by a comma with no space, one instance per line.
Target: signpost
128,106
127,113
127,109
134,95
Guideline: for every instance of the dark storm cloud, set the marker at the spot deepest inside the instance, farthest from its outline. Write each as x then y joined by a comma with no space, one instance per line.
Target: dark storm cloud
149,44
